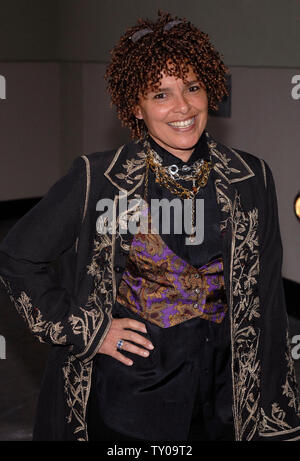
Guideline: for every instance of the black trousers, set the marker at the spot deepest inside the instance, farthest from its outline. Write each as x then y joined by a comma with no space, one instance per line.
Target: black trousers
183,392
198,432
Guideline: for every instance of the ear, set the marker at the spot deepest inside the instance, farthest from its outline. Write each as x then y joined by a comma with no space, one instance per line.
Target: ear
138,112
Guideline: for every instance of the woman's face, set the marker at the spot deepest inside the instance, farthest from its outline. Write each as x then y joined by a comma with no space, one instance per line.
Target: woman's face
175,114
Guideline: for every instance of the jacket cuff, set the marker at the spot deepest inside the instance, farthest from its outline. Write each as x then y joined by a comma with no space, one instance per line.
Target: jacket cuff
96,339
288,435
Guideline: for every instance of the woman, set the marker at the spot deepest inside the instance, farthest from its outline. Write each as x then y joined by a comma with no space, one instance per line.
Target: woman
159,335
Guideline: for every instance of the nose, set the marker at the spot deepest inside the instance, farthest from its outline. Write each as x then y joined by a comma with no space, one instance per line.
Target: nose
181,104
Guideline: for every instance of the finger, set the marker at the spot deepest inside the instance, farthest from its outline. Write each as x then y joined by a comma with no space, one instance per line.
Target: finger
133,325
117,355
134,349
136,338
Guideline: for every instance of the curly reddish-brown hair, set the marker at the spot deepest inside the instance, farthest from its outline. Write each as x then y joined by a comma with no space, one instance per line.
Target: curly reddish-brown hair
139,58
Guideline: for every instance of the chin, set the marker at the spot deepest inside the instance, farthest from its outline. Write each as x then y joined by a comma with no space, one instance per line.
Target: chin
188,144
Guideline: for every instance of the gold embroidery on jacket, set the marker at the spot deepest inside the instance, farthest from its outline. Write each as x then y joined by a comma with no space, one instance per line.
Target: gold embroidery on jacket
131,166
277,419
84,324
227,172
77,383
77,374
244,303
34,318
276,423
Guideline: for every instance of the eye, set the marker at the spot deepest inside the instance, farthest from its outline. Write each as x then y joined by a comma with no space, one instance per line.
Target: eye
160,96
194,88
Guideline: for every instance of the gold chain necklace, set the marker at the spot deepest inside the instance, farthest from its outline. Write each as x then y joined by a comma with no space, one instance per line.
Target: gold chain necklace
164,178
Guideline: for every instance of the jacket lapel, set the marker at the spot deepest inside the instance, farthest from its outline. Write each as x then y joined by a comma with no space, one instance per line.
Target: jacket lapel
127,169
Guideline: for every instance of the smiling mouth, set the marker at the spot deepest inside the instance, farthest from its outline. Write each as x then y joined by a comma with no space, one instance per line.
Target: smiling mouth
183,123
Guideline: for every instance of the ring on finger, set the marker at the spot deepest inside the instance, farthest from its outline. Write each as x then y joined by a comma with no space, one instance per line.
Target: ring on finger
120,344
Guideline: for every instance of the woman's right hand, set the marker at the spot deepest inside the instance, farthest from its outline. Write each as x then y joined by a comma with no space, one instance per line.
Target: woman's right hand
122,329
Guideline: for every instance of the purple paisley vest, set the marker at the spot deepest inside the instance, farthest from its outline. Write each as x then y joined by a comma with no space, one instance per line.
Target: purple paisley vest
166,290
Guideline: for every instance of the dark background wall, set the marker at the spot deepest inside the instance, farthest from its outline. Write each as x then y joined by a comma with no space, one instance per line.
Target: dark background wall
29,30
248,32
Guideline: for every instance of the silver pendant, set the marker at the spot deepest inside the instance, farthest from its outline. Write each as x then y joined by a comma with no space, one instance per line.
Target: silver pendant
173,169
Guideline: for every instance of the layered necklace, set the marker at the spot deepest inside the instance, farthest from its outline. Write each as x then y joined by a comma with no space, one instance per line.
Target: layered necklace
168,177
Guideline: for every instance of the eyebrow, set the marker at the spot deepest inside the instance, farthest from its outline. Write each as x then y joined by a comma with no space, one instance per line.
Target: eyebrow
159,90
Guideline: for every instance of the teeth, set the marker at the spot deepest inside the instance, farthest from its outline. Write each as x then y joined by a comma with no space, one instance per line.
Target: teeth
182,124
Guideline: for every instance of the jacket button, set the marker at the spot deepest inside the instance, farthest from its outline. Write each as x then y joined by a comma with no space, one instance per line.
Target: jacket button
118,269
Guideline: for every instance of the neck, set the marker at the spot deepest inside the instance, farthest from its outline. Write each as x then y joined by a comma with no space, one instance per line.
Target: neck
183,154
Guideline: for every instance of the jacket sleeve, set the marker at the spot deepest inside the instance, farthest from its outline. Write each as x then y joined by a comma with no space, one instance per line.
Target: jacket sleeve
279,398
27,269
